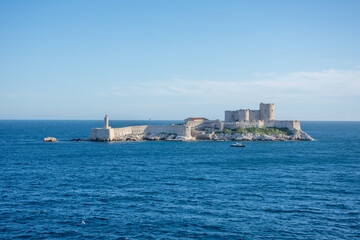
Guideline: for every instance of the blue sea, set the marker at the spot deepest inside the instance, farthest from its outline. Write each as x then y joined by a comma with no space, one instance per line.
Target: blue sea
177,190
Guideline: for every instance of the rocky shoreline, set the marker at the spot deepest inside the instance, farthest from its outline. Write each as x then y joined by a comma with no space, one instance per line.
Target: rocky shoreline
297,135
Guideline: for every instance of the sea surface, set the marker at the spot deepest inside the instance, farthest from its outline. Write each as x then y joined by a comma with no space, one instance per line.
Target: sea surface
177,190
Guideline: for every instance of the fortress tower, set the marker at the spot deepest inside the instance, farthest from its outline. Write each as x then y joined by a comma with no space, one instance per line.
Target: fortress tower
244,114
267,111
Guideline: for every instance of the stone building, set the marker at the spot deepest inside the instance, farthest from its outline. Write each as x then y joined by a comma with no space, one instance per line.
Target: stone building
266,113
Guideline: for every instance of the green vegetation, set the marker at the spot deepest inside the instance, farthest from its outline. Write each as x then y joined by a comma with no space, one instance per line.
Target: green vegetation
261,131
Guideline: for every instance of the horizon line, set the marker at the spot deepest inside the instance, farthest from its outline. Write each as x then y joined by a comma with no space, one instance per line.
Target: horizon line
41,119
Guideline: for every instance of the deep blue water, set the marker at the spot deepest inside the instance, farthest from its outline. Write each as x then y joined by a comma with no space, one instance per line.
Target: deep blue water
171,190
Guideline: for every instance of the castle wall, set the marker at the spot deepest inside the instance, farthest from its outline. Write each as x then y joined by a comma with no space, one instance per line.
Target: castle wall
283,124
296,125
122,132
206,126
181,130
261,123
247,115
229,116
237,115
243,115
113,134
254,115
243,124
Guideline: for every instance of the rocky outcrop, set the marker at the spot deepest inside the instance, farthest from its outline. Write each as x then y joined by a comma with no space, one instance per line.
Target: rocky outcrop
297,135
50,139
301,135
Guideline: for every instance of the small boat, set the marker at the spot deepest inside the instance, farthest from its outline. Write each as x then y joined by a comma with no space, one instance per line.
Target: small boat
237,145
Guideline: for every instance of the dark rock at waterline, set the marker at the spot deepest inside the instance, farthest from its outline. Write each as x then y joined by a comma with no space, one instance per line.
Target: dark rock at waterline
78,139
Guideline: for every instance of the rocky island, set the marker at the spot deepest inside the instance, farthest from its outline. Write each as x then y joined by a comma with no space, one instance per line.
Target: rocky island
239,125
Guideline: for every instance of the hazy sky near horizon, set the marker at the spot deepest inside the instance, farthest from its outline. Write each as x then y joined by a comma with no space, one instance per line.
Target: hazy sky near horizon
176,59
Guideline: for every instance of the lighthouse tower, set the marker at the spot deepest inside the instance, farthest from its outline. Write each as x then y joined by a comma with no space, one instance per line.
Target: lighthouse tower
106,122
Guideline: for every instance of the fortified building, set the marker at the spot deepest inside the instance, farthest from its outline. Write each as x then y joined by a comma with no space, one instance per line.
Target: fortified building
198,127
264,117
265,113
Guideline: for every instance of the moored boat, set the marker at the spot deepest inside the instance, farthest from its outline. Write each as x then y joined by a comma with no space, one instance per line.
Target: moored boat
237,145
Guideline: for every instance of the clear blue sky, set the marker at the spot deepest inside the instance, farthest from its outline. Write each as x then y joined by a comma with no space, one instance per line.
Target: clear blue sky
176,59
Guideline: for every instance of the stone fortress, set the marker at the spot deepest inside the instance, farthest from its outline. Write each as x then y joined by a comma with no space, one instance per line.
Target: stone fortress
264,117
265,113
204,129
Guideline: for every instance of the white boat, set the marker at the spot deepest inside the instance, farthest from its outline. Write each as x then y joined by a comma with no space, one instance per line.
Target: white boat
237,145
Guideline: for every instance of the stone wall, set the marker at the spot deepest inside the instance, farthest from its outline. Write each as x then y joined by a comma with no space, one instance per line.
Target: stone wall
244,124
241,115
113,134
229,116
205,126
254,115
101,134
181,130
283,124
261,123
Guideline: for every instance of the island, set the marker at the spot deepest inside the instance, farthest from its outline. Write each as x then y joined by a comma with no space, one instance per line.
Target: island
239,125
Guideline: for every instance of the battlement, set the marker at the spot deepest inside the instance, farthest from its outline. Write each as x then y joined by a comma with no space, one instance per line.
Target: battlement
265,112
